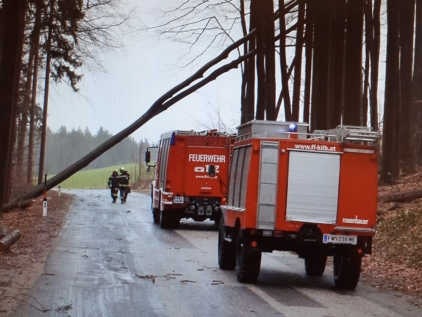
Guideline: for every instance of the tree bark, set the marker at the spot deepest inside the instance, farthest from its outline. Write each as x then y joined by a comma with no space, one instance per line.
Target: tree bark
309,44
283,64
407,113
7,241
46,95
375,55
321,75
10,67
17,204
390,149
35,42
401,197
339,38
298,62
353,66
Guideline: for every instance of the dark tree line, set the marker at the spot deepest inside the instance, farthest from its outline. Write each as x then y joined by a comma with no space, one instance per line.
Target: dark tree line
63,148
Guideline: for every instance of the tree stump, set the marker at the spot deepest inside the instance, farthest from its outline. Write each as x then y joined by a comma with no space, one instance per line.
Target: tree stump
7,241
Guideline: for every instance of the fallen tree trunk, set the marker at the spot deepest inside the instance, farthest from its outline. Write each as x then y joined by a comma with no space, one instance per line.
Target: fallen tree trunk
17,204
7,241
401,196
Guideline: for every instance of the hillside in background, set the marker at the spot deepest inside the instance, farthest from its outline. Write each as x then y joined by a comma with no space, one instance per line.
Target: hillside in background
63,148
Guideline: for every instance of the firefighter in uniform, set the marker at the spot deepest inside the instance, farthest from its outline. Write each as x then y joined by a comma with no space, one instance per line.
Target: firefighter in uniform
124,184
113,184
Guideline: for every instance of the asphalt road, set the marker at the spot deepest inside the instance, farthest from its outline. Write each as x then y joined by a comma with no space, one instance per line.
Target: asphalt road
112,260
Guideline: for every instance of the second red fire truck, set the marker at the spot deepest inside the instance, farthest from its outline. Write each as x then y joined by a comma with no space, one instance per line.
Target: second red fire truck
191,176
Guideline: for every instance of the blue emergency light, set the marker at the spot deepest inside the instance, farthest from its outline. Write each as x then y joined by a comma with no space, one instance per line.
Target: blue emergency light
293,127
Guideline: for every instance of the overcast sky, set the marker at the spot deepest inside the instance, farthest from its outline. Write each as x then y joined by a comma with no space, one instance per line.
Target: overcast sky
136,77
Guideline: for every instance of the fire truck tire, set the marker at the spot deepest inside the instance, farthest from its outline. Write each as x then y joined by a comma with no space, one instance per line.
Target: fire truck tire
248,262
346,271
315,264
156,215
164,222
226,251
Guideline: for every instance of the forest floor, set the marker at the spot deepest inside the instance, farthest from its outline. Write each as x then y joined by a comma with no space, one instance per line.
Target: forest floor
395,265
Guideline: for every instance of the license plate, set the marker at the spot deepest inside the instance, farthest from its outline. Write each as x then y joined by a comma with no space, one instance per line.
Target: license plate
178,199
339,239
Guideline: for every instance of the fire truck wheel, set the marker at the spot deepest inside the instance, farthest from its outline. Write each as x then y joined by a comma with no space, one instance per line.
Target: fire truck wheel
248,262
346,271
156,215
315,264
164,222
226,251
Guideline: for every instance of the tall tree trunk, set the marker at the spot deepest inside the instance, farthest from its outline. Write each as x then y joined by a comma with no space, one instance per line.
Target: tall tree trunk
417,78
35,42
248,111
23,123
298,62
390,157
321,75
353,66
339,38
309,45
375,55
369,43
270,86
407,112
10,68
283,63
46,95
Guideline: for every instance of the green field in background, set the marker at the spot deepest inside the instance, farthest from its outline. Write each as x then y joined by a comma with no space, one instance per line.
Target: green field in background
97,178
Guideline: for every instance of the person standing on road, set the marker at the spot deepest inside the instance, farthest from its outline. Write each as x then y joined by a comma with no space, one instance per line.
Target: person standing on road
124,184
113,184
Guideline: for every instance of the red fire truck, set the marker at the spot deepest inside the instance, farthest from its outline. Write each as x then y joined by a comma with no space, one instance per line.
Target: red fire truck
311,194
191,176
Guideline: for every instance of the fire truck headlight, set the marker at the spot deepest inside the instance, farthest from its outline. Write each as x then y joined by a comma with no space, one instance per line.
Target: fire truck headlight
192,207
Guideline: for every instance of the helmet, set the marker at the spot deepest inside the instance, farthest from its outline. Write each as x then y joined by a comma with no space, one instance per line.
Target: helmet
115,171
122,169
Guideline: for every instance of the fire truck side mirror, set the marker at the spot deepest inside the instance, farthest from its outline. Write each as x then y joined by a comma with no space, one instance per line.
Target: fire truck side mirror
147,157
211,170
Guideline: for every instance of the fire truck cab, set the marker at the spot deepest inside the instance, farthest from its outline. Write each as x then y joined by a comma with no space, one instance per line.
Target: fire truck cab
191,176
311,194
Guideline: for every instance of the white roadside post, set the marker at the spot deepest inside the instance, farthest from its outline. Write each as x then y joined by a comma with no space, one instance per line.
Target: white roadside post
45,202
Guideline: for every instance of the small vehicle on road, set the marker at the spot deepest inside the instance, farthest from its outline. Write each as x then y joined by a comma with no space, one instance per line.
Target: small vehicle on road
311,194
